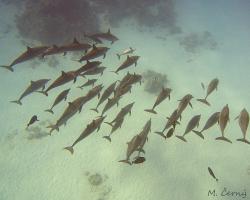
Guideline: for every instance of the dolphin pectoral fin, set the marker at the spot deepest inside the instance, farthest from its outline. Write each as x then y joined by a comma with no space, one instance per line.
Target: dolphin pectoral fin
236,117
94,109
160,133
151,111
199,134
104,55
203,101
17,102
135,64
190,105
141,150
243,140
125,161
70,149
43,92
64,53
224,139
10,68
109,123
107,137
181,138
118,55
115,72
50,111
74,80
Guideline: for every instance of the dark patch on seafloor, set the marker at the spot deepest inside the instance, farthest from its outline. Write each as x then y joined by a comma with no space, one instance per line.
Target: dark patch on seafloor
99,185
38,132
154,81
196,42
58,21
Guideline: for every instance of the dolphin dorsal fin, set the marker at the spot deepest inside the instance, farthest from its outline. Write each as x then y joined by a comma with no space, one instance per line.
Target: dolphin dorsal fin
63,73
29,49
75,41
32,82
94,47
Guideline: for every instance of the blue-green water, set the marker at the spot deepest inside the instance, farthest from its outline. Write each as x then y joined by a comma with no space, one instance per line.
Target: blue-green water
214,43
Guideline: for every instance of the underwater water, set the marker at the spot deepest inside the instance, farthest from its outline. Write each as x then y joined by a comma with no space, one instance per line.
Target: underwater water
213,43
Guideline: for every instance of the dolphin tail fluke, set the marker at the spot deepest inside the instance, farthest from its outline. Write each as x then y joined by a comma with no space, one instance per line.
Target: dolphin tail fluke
151,111
203,101
43,92
181,138
243,140
161,134
8,67
199,134
52,128
50,111
70,149
125,161
95,109
224,139
118,55
107,137
17,102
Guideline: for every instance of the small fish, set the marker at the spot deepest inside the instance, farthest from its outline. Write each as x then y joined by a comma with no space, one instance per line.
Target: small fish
170,133
212,173
210,88
138,160
223,120
32,121
130,50
59,98
88,83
